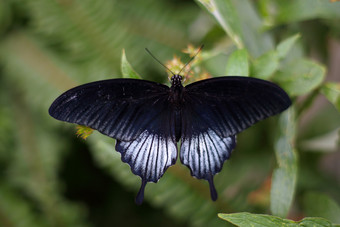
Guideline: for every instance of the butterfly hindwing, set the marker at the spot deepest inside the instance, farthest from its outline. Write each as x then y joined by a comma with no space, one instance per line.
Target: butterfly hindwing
154,150
119,108
202,150
205,154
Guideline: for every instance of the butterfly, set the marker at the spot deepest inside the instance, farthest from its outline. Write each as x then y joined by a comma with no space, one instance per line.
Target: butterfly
148,119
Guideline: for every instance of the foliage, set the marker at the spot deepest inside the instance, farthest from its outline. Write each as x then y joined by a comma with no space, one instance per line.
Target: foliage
282,166
247,219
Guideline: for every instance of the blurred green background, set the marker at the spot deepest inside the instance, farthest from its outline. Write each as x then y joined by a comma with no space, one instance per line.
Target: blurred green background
288,165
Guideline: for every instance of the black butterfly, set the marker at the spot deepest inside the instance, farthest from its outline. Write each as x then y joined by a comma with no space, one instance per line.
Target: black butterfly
148,119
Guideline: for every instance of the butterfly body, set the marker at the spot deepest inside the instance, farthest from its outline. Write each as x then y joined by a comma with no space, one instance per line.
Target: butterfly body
148,119
176,100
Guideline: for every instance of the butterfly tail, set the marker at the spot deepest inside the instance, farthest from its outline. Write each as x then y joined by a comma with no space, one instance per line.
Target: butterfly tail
140,195
213,192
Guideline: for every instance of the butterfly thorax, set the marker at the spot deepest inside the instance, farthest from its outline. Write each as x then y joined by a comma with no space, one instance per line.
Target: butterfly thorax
176,90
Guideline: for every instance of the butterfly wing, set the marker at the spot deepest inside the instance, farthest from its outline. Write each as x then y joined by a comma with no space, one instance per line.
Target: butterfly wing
231,104
135,112
119,108
204,152
214,111
154,150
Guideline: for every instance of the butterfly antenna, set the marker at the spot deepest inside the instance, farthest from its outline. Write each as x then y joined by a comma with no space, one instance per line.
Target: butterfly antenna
199,50
159,61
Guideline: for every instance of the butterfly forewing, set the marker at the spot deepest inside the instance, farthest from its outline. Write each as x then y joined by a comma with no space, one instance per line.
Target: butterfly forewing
231,104
119,108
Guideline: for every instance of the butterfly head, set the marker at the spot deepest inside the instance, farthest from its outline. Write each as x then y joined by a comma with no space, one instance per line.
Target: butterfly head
176,80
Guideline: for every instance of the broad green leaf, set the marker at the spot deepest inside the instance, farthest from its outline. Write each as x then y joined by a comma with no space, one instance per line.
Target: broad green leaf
255,220
126,68
284,47
237,63
264,66
241,22
285,175
256,39
245,219
282,191
226,15
332,92
298,10
300,77
316,222
326,206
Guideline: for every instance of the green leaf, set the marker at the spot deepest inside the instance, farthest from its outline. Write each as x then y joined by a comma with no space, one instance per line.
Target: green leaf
237,63
282,191
241,22
245,219
254,220
332,92
326,206
264,66
297,10
126,68
300,77
316,222
285,175
284,47
226,15
267,64
256,39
